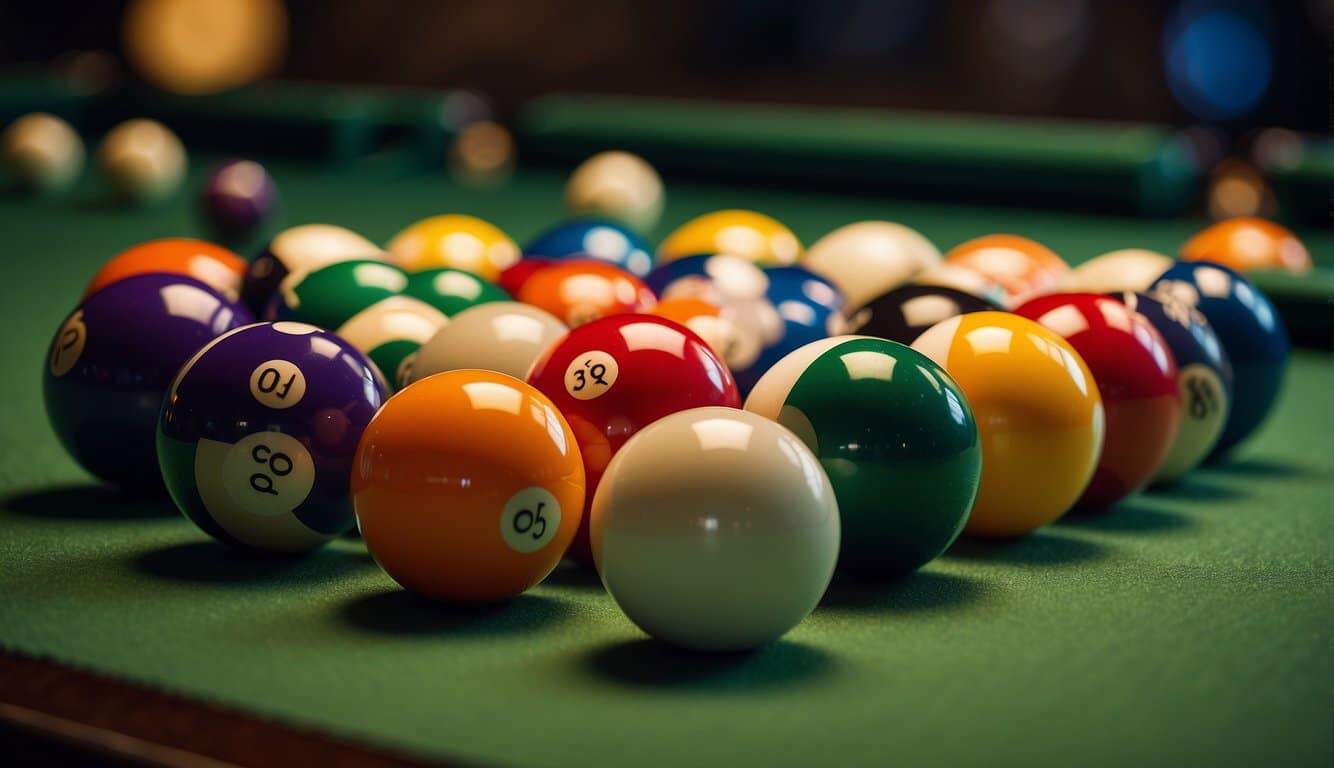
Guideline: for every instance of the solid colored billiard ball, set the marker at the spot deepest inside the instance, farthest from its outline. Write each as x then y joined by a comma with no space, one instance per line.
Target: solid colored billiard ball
501,336
617,185
715,529
582,290
1252,334
1136,375
745,234
294,253
142,160
363,302
210,264
965,279
1246,243
612,377
452,290
868,258
468,487
906,312
456,241
1024,267
1204,379
238,199
42,153
483,153
599,239
258,434
1130,269
1038,413
111,361
895,435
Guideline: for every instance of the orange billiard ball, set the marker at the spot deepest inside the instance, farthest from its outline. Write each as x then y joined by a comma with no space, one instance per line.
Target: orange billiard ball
1244,244
1024,268
581,290
213,265
468,486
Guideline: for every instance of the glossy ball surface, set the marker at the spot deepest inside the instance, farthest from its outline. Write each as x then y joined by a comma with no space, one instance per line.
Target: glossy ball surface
452,290
42,153
1038,412
810,308
456,241
1204,379
142,160
1252,334
110,364
614,376
258,433
296,252
1247,243
599,239
213,265
965,279
503,336
906,312
868,258
715,529
895,435
617,185
239,198
1131,269
710,322
1024,267
745,234
582,290
1137,378
468,487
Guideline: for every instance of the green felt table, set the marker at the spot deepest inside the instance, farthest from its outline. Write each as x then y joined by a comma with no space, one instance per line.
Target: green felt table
1191,625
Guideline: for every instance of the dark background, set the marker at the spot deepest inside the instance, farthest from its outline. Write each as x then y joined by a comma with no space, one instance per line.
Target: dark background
1255,63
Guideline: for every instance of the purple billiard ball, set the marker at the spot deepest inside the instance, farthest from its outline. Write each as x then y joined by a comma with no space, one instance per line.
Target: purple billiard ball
258,433
111,361
239,198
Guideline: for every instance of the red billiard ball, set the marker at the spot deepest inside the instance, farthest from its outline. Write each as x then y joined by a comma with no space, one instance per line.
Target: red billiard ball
612,377
1136,376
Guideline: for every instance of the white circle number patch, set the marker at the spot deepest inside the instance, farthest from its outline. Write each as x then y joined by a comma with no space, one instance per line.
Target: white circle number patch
67,347
268,473
530,519
278,384
591,374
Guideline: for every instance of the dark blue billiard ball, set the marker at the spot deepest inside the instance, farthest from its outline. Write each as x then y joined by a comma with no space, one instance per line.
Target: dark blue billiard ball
258,433
600,239
111,361
810,308
1250,330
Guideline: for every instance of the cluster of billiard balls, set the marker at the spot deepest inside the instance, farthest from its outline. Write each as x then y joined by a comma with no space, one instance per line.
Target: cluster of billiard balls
715,424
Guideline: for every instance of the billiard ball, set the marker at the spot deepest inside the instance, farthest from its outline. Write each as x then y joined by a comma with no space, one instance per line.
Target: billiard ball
906,312
581,290
363,302
964,279
456,241
1024,267
715,325
514,276
715,529
213,265
258,433
501,336
452,290
482,154
111,361
868,258
810,308
295,252
1136,376
42,153
468,487
238,199
142,160
1038,413
1245,244
613,376
1130,269
617,185
895,435
599,239
1252,334
1204,379
745,234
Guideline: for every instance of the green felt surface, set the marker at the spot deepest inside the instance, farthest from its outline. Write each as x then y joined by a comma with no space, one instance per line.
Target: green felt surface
1189,627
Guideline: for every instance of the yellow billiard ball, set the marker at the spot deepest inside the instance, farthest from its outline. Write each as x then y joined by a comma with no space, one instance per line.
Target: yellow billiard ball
746,234
456,241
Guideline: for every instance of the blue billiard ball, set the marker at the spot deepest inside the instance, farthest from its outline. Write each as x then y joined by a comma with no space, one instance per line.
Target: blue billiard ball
600,239
810,308
1251,332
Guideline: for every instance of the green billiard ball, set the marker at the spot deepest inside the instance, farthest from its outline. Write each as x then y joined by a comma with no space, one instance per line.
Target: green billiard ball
896,436
452,290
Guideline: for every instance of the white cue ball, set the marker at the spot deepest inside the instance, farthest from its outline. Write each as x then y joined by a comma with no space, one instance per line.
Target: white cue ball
617,185
1132,269
868,258
502,336
42,152
143,160
715,529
